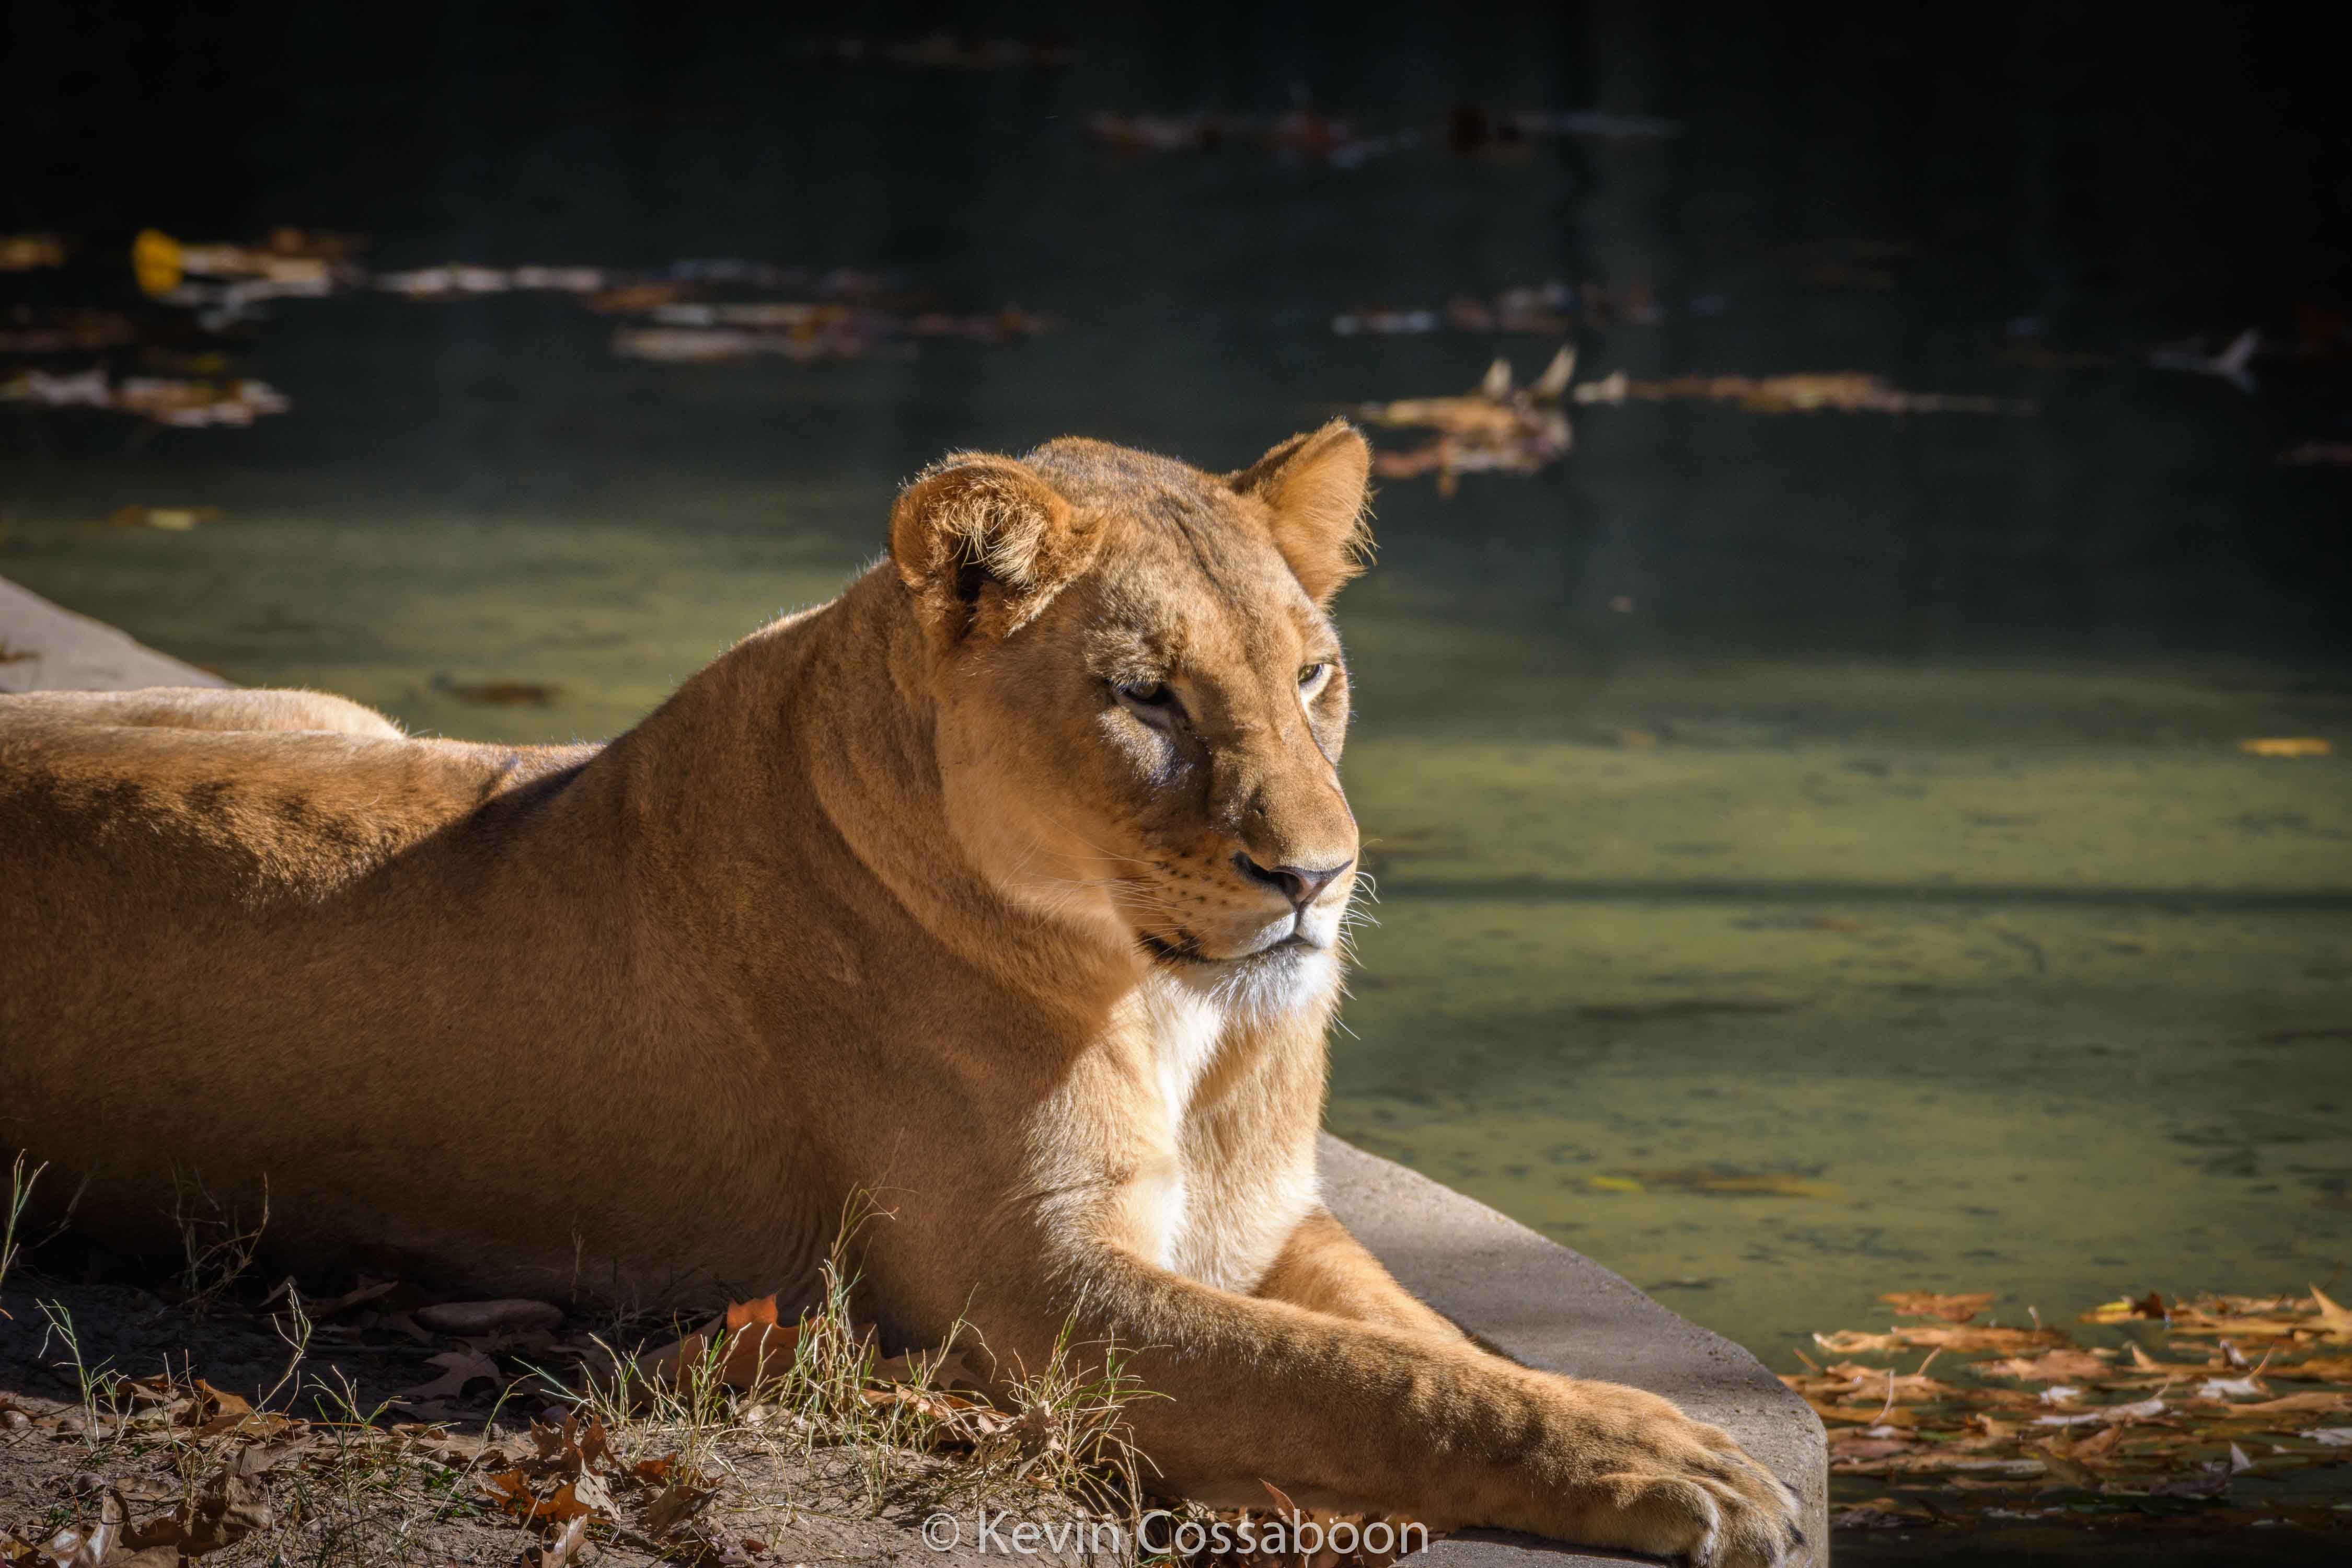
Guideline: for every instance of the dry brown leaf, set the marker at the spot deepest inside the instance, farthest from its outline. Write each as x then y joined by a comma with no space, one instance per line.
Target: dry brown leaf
2094,1450
559,1550
1908,1388
678,1502
2062,1365
437,1443
1882,1513
1868,1444
2127,1310
2334,1322
227,1508
743,1314
460,1368
1959,1338
1954,1308
753,1347
512,1490
572,1447
2316,1369
2294,1403
2144,1362
84,1546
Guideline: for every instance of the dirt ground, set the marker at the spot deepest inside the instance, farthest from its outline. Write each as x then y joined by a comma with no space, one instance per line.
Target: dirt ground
202,1429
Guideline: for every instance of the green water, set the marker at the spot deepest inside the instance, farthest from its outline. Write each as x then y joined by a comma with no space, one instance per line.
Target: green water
1844,806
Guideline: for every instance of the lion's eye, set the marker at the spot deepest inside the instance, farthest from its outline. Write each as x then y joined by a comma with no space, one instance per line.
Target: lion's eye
1312,678
1147,693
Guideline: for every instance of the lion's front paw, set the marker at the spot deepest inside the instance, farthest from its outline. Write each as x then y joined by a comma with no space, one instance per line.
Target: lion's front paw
1653,1480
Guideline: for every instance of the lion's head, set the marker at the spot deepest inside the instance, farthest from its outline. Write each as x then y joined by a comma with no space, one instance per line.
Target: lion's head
1140,695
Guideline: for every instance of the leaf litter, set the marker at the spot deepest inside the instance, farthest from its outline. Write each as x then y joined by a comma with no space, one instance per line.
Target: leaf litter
758,1437
2211,1411
693,312
1500,426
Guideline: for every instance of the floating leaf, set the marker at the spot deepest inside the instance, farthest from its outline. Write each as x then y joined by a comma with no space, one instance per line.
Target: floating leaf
2050,1366
1956,1308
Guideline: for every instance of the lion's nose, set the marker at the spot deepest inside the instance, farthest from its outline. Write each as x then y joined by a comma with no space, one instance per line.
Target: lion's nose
1302,885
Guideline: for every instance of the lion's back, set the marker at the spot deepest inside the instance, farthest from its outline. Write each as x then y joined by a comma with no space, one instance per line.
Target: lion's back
139,847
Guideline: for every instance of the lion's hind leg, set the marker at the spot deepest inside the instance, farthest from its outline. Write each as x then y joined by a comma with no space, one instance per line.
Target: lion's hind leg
208,708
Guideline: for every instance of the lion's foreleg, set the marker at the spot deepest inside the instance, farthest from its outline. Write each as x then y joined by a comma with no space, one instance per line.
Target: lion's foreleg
1325,1269
1248,1390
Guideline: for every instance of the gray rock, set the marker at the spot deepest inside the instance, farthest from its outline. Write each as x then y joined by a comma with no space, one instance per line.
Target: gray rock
511,1316
46,647
1546,1306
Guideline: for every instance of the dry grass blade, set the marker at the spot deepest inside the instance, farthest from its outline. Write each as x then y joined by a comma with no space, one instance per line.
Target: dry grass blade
20,1194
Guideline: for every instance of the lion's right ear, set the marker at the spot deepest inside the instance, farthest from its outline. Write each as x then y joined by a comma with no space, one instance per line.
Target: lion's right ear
1314,486
984,543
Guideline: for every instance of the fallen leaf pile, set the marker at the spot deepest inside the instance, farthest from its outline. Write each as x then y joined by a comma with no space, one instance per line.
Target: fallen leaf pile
699,311
569,1478
225,1499
2008,1421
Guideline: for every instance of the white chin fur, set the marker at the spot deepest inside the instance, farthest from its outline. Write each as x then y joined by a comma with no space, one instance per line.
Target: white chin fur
1266,987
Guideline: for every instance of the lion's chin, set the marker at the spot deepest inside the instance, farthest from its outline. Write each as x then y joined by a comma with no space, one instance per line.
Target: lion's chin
1189,953
1289,974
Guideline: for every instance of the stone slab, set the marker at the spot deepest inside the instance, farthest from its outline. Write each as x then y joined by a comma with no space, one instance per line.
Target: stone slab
1535,1300
1546,1306
46,648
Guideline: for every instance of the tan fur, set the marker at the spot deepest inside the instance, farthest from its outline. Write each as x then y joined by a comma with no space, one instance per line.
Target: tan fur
902,896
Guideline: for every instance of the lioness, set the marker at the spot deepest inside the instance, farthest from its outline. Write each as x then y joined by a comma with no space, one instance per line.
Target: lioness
1007,887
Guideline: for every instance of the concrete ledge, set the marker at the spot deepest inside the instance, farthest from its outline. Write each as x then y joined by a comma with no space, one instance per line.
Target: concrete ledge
1546,1306
45,647
1535,1300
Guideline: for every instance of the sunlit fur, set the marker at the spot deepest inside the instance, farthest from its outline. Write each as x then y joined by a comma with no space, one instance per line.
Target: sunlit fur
923,895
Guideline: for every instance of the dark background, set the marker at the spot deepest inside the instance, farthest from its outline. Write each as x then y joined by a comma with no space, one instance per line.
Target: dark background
2112,181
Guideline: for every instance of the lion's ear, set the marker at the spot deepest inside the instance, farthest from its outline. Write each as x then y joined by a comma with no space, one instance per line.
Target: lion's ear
1315,485
984,543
